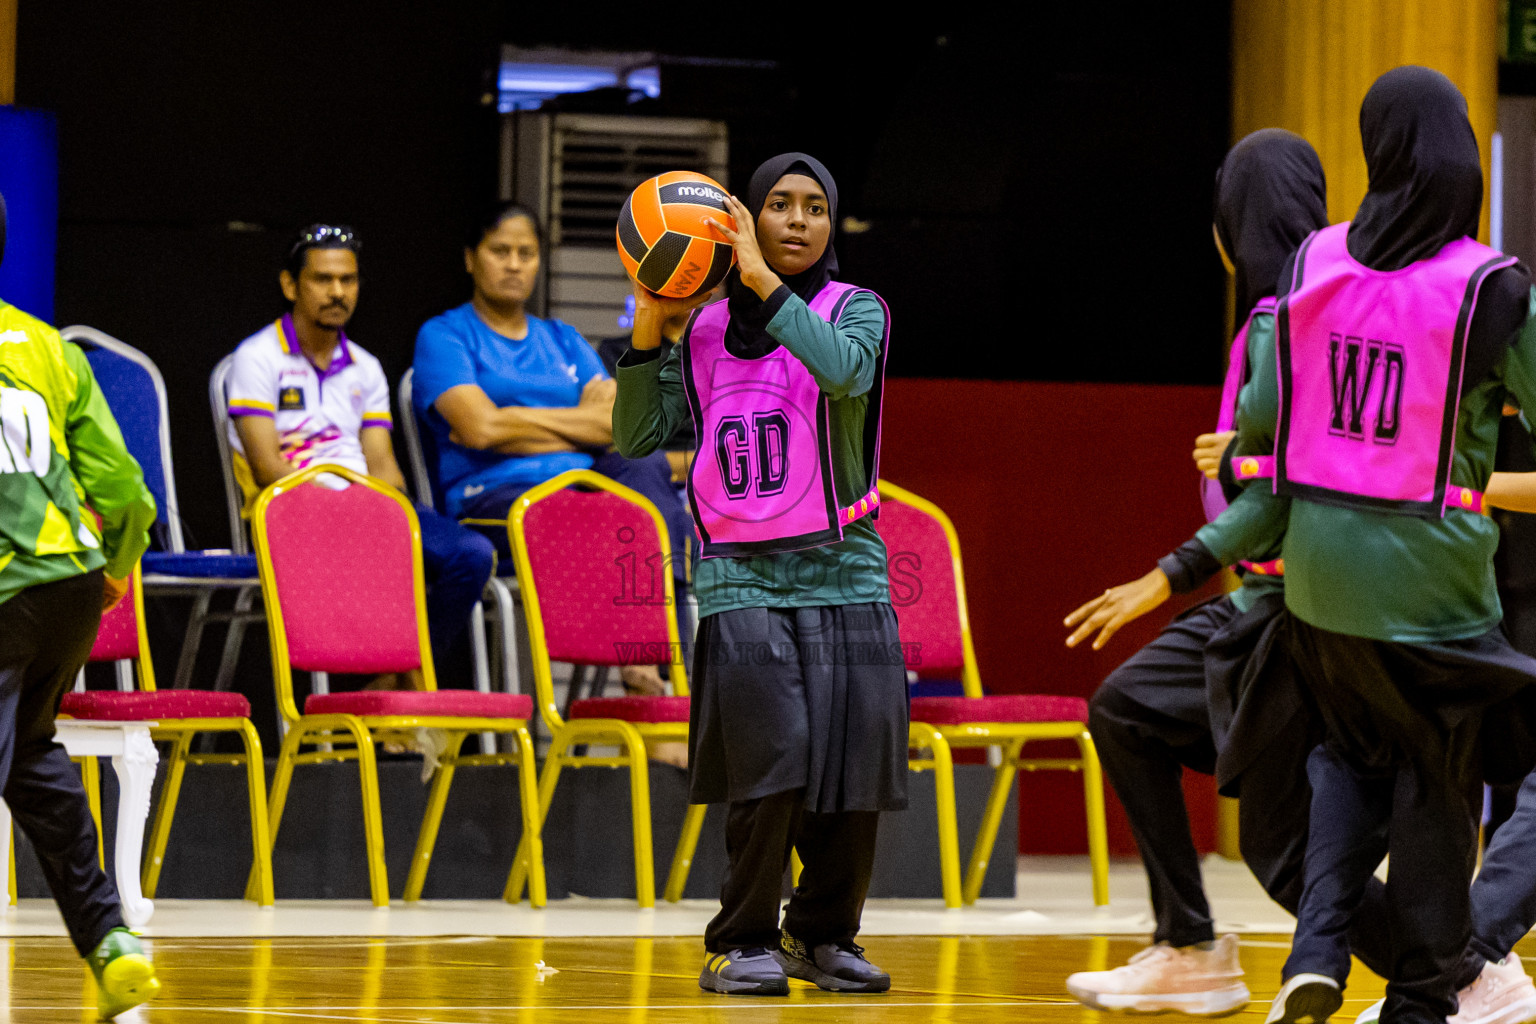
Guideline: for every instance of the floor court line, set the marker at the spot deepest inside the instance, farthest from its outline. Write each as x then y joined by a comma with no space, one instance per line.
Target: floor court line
737,1003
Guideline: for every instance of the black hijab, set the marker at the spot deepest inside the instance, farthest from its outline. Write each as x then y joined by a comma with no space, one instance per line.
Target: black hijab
747,334
1426,184
1270,196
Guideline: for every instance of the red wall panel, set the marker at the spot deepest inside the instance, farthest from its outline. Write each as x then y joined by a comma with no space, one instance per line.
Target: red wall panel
1057,491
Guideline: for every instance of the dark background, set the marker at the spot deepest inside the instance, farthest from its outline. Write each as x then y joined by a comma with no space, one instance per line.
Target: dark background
1038,188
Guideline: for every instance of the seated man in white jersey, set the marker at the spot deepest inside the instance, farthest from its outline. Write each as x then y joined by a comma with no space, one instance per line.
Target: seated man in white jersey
301,392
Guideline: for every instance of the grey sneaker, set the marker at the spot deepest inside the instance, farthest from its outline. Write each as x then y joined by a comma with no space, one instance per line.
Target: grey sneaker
753,971
1306,997
834,966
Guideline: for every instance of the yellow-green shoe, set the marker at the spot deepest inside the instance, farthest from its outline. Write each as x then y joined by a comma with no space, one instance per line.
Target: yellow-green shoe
124,975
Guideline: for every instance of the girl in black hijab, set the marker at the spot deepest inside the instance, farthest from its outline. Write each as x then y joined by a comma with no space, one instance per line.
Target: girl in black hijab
1392,620
1173,705
1270,195
798,718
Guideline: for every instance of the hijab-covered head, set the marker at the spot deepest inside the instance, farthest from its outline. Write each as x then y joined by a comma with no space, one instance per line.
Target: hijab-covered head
1270,195
1426,183
746,334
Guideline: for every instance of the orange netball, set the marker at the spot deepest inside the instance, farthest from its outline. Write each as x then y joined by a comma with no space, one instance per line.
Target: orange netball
663,238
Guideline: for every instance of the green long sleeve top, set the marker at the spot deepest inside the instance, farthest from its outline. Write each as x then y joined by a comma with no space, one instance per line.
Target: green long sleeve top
1393,577
651,408
61,449
1253,524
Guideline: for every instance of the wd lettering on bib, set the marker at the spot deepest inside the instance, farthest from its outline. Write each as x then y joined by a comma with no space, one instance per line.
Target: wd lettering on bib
1346,396
1352,386
762,482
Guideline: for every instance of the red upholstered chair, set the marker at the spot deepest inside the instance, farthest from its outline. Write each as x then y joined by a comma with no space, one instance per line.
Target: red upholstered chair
928,592
181,715
341,576
597,589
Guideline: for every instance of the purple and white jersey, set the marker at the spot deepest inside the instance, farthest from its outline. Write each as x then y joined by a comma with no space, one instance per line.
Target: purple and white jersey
319,414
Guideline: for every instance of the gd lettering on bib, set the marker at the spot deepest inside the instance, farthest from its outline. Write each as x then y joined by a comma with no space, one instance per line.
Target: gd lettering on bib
762,481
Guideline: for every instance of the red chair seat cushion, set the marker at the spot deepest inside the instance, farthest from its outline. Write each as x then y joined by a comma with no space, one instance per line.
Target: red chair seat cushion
1008,707
633,709
421,704
157,706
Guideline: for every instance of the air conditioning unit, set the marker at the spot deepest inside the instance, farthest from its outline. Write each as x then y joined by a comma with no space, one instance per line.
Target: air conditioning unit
574,171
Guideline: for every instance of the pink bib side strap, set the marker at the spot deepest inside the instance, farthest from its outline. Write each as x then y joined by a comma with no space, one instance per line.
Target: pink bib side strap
861,508
1253,467
1465,498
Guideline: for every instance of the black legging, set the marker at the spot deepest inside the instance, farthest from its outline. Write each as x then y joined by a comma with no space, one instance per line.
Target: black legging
46,633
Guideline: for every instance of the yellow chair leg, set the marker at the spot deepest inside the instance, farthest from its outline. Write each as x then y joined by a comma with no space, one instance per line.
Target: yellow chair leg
373,813
682,859
796,866
11,868
160,831
261,837
532,840
640,815
944,798
282,778
90,778
521,863
1093,802
432,820
991,819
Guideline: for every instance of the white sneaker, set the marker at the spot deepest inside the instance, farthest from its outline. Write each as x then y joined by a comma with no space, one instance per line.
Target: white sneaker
1502,994
1202,982
1306,997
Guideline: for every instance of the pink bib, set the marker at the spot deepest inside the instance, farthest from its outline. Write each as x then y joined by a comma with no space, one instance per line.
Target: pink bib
1370,373
1211,497
762,481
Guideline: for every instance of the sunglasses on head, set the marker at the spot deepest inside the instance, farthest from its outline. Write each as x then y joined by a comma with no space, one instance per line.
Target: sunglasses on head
326,236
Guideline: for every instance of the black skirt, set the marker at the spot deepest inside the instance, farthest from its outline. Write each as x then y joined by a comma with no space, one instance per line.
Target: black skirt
1251,690
1386,704
785,698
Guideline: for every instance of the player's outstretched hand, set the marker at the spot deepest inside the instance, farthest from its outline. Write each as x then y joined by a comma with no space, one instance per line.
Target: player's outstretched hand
1117,606
1209,448
112,591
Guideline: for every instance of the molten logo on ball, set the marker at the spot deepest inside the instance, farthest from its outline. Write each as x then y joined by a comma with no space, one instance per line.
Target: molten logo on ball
665,239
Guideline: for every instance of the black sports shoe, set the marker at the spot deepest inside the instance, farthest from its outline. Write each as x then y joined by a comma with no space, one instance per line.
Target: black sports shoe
744,972
834,966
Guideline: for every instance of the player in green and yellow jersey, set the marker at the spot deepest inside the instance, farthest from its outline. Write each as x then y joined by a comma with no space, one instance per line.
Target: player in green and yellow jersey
61,458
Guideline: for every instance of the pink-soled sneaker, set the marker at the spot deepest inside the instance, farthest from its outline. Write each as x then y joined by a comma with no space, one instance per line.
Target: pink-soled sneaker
1502,994
1203,982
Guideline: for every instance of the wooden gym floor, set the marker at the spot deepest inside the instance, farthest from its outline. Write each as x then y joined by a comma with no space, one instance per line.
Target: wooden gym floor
462,979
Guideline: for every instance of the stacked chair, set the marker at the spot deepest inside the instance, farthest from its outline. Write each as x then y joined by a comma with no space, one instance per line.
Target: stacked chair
136,394
180,715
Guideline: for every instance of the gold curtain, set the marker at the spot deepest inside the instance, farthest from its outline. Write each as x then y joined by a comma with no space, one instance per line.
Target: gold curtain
1305,65
8,51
